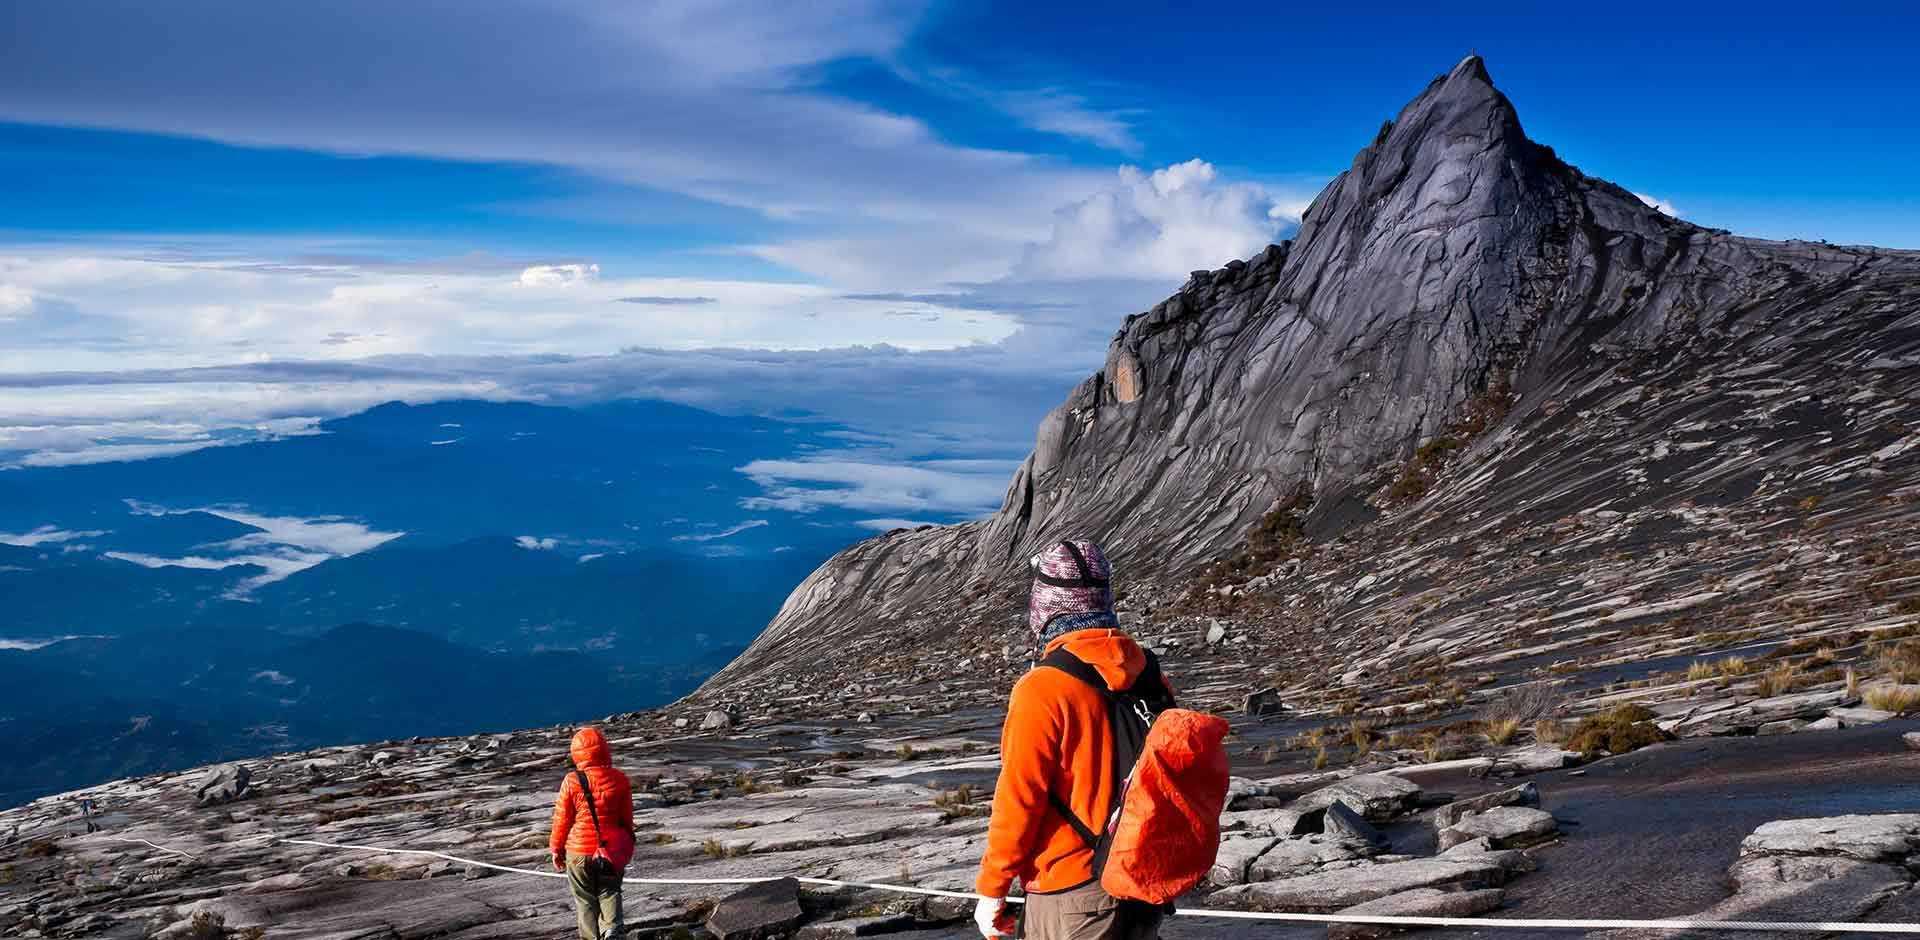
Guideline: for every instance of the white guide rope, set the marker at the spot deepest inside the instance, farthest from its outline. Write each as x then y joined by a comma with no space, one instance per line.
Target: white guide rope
153,844
1391,920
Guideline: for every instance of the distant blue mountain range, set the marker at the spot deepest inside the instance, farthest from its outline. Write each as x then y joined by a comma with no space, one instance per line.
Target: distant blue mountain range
561,562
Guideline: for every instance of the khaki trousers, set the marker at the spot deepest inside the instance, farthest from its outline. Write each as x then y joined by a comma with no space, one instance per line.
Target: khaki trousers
1088,913
596,901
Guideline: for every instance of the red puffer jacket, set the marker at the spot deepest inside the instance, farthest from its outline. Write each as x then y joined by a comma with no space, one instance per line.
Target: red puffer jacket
612,797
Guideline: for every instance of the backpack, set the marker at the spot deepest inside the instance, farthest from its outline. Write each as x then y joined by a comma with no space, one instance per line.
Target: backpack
1160,838
613,855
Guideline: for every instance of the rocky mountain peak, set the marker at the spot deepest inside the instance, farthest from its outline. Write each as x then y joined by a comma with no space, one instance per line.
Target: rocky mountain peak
1395,367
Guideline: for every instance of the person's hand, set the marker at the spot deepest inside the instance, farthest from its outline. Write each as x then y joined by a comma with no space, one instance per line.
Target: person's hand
993,918
559,862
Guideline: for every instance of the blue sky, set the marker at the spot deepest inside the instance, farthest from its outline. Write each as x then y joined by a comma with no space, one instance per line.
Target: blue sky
767,208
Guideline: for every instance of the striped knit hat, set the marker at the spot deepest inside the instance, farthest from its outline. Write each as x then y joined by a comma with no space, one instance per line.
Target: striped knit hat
1069,578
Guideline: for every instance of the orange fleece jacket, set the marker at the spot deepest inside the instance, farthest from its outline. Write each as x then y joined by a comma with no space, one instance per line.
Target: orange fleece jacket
1056,740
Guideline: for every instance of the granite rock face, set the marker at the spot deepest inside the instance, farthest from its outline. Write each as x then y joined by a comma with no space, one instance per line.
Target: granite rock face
1469,346
1840,868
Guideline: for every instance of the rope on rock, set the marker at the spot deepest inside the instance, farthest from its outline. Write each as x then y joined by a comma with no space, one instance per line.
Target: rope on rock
153,844
632,879
1395,920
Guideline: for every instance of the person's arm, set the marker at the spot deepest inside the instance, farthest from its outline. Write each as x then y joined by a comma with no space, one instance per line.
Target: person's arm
623,807
1029,757
562,819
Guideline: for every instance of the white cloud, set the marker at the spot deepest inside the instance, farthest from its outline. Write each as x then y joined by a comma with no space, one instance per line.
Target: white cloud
274,676
1050,110
722,534
285,545
197,562
14,300
960,487
537,543
151,312
719,100
1160,224
15,643
45,535
331,535
1659,203
1068,115
63,420
558,275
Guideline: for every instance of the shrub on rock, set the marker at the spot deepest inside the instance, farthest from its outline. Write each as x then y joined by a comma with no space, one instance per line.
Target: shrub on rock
1624,728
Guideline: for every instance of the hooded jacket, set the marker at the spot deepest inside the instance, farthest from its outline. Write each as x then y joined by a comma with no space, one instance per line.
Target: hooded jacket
1056,740
612,797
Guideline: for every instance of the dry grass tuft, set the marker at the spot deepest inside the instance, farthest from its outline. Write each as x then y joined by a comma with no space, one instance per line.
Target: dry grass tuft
1780,680
1900,662
1625,728
1502,731
1898,699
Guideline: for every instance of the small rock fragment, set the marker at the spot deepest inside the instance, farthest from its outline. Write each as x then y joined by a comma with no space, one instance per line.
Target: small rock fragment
1420,902
1526,794
1262,702
1855,717
1377,797
1508,826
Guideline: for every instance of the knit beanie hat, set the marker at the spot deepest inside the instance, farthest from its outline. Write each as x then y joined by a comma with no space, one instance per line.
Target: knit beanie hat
1071,577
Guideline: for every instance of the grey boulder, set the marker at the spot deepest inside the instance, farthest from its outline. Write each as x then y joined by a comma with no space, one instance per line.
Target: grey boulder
1508,827
1526,794
223,784
1377,797
1328,891
758,911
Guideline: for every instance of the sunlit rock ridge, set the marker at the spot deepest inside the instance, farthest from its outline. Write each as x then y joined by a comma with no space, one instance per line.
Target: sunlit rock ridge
1566,352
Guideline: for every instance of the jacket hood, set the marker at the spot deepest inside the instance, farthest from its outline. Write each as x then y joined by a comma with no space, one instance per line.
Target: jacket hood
1117,657
590,749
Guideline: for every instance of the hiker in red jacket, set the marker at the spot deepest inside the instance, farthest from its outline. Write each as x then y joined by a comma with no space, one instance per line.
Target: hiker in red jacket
592,838
1057,785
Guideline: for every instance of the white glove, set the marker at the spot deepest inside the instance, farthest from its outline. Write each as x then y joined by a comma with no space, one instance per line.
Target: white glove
989,914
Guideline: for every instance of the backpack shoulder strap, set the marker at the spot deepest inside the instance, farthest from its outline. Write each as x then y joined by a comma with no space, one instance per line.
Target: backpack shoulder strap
1150,685
1076,667
586,790
1149,692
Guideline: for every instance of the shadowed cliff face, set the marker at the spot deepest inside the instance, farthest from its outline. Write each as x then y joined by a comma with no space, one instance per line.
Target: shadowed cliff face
1457,273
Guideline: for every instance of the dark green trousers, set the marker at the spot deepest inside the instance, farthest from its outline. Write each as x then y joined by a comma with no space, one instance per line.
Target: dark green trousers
596,901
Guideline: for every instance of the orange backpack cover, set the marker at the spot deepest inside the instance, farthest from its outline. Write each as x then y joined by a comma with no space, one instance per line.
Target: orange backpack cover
1167,831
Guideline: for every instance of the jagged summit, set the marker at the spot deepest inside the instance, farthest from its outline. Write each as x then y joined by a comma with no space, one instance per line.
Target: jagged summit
1457,275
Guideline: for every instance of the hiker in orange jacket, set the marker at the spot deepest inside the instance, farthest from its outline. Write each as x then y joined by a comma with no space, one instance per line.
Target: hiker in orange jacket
1056,752
575,838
